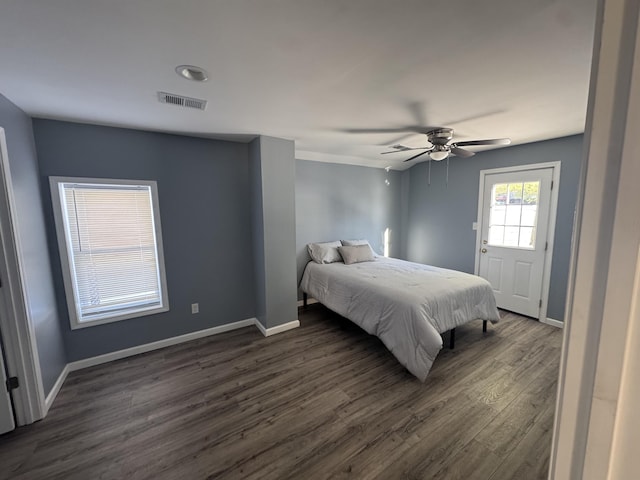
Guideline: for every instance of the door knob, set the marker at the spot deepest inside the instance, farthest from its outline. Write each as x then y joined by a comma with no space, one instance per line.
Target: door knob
484,250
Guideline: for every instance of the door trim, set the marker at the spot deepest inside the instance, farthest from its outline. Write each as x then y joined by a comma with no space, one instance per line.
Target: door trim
551,230
15,323
595,434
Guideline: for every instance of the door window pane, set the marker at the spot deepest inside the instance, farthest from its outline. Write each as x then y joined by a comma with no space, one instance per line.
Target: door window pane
499,196
497,215
511,236
530,193
496,235
529,214
526,237
515,193
513,214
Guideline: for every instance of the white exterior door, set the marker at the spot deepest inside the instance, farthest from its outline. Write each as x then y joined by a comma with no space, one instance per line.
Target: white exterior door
514,227
6,412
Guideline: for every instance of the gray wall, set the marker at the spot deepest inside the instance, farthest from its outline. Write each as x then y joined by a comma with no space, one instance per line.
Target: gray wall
405,190
339,202
257,222
204,196
29,224
440,217
272,166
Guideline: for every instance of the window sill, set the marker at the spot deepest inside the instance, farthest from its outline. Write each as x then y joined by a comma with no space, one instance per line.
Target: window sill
75,325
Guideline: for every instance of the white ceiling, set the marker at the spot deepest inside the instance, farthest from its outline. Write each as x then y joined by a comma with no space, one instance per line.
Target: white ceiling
306,70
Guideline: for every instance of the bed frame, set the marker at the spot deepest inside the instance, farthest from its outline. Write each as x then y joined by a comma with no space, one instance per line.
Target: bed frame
452,332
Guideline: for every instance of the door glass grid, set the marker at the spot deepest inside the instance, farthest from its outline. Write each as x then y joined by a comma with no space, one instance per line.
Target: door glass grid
514,214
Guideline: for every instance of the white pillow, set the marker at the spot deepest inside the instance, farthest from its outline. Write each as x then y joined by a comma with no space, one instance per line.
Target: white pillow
356,254
362,241
326,252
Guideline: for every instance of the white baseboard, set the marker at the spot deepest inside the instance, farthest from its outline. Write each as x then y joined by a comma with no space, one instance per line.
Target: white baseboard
267,332
55,390
551,321
147,347
310,301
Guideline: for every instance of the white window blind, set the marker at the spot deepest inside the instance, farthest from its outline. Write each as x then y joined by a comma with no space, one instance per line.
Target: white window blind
112,246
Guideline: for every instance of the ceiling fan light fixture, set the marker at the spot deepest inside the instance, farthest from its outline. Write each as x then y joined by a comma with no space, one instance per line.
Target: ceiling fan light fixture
438,155
191,72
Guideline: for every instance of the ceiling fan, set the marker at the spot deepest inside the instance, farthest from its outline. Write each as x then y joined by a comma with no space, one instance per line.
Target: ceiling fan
441,147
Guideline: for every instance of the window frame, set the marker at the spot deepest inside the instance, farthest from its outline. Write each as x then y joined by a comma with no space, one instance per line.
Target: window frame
519,226
67,262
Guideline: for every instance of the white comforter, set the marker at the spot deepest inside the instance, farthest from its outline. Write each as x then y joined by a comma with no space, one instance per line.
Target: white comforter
407,305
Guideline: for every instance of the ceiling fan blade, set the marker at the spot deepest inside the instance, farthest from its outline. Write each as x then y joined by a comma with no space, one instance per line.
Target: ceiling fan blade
461,152
417,109
376,130
399,139
402,129
403,148
418,155
490,141
424,129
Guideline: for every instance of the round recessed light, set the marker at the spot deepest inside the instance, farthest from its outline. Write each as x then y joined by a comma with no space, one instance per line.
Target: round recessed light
191,72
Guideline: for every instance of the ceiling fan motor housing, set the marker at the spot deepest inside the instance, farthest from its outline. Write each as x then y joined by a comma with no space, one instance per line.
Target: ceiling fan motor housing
440,136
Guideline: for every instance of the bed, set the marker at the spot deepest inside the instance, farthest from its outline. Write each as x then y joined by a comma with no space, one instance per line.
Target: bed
407,305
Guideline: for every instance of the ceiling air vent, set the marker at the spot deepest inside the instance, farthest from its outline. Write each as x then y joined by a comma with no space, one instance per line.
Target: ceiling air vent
181,101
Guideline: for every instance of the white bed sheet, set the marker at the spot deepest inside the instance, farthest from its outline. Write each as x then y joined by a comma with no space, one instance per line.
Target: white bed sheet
407,305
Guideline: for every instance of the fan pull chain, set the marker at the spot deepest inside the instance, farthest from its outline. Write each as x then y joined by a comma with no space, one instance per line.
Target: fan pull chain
429,177
447,181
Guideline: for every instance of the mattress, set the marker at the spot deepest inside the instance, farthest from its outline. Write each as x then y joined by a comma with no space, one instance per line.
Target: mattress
407,305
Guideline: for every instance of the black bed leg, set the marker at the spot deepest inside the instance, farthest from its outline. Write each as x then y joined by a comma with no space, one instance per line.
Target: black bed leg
452,338
304,299
484,326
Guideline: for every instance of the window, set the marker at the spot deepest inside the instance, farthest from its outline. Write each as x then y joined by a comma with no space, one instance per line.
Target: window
110,248
514,214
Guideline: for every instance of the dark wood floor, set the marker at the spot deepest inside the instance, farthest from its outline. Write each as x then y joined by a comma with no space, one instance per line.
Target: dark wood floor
325,400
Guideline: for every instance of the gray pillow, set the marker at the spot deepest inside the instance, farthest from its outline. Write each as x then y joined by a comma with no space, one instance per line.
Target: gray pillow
326,252
352,243
356,254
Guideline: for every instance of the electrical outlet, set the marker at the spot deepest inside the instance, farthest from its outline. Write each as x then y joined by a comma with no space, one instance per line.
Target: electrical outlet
195,308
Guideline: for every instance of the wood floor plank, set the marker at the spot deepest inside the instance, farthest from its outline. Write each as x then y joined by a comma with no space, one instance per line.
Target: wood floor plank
433,441
472,461
325,400
529,459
